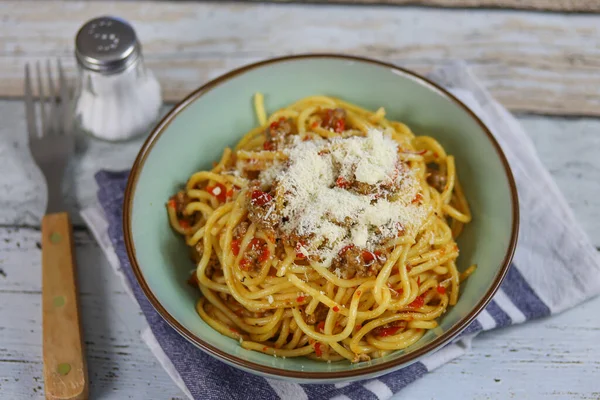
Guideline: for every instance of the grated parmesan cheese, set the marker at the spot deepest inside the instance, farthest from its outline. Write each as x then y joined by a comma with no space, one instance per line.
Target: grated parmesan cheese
333,217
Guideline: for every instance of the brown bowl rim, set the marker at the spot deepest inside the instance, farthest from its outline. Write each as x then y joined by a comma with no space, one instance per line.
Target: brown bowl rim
302,375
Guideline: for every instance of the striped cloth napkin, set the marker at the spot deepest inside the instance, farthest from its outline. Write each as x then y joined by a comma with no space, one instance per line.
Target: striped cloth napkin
555,267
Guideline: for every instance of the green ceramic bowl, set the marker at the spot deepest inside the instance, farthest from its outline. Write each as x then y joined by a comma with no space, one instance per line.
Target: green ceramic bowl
216,115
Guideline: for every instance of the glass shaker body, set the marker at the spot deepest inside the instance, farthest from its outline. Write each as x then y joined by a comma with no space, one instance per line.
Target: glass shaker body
118,106
117,97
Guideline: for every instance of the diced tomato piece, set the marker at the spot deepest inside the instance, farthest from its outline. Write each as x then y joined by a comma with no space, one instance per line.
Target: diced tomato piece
314,124
336,309
269,145
219,191
417,198
299,245
345,249
418,302
184,224
264,255
318,350
300,299
321,326
275,124
235,247
341,182
441,289
368,256
392,330
260,198
245,264
340,126
172,203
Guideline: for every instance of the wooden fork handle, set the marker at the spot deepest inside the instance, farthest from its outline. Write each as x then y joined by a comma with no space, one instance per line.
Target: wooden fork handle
65,370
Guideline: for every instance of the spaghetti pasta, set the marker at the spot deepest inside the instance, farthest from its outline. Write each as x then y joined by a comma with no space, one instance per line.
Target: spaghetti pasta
328,232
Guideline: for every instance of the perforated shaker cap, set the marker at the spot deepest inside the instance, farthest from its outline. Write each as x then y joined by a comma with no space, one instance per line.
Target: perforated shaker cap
107,45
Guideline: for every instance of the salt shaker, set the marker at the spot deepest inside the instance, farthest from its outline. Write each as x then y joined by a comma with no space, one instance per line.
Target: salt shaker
117,97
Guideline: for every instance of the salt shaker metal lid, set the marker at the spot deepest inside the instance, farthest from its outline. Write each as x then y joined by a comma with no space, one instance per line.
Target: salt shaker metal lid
107,45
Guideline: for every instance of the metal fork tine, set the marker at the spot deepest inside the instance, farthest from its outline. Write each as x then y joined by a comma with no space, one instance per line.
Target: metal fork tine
42,99
65,100
30,106
53,118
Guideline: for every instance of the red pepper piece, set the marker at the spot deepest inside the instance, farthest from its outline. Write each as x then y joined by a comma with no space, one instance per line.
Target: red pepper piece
368,256
235,247
418,302
392,330
264,255
219,191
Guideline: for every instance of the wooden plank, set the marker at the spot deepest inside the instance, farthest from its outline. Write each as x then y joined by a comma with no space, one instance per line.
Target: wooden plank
566,146
539,5
120,364
534,62
542,359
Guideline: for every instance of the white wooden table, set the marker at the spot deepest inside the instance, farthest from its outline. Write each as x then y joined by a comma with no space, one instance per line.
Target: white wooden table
543,66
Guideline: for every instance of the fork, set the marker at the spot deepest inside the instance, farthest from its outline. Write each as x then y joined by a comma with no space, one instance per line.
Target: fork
65,369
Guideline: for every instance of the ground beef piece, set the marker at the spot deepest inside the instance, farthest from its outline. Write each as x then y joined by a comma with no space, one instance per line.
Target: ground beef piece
261,209
363,188
356,262
279,134
320,312
240,230
436,179
255,255
333,119
181,201
361,357
196,255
